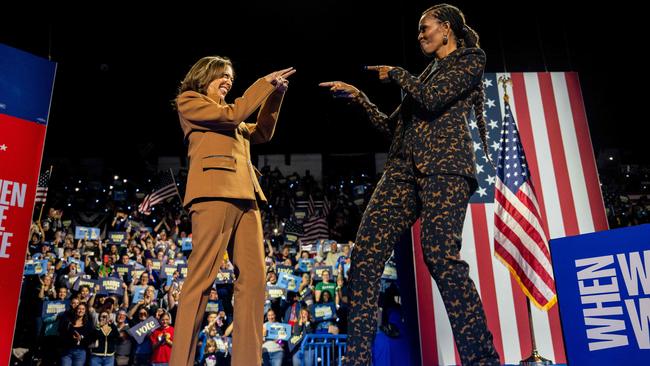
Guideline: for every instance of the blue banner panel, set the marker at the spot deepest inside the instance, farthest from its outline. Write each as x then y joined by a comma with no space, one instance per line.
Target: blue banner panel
26,84
603,286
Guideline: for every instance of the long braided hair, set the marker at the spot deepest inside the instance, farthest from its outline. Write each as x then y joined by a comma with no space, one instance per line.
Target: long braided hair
465,37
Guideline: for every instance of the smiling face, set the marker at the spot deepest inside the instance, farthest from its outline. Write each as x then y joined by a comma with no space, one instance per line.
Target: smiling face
165,320
222,85
270,315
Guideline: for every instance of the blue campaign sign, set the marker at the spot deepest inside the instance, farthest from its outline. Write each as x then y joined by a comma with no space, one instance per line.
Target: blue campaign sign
168,271
138,293
318,272
225,276
156,264
305,265
84,280
26,85
603,286
141,330
186,244
112,286
116,236
182,269
289,282
90,233
53,308
283,269
123,269
34,267
213,306
276,292
322,312
278,331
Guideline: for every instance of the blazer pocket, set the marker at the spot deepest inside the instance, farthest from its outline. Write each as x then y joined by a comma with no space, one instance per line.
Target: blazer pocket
223,162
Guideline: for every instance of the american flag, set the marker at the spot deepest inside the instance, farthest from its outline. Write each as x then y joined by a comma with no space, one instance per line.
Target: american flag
41,189
552,124
315,228
165,189
519,238
293,228
326,206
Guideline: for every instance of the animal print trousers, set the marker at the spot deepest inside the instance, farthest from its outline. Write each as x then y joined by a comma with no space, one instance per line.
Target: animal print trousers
440,201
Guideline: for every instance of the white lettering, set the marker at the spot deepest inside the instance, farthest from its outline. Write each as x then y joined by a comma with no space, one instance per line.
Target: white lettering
4,191
640,321
18,194
3,216
595,264
603,333
4,244
635,272
597,288
145,328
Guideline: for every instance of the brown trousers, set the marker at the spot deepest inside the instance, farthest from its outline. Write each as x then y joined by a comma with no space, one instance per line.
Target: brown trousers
215,224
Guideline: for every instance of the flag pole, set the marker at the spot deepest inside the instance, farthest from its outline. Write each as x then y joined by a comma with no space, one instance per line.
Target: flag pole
177,191
534,359
40,215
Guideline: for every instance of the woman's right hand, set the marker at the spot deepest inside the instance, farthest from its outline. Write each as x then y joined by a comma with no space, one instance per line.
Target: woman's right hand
279,78
340,89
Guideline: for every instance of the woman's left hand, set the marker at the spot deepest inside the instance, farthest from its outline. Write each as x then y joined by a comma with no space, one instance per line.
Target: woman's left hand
382,69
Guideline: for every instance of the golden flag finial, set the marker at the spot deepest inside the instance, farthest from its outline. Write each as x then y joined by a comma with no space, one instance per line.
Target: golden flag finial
504,81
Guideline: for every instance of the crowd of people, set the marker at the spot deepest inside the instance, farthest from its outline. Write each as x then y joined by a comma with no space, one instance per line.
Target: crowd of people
148,255
93,294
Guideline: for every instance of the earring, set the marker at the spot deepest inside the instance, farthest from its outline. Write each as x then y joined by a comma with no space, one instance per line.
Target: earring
445,40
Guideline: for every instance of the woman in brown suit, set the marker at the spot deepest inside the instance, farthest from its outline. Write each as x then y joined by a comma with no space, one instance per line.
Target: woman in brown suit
430,174
222,193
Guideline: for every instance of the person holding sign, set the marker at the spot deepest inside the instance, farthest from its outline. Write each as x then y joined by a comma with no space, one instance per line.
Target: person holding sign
430,174
272,350
221,195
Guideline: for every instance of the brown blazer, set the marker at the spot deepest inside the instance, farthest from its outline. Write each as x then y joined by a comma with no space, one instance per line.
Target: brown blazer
219,141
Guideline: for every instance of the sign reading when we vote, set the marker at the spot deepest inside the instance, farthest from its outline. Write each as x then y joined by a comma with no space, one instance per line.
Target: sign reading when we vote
603,286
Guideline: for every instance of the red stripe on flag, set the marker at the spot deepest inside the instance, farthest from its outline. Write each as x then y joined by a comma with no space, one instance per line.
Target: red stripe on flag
486,273
423,287
525,253
558,155
530,229
586,152
527,141
522,276
564,191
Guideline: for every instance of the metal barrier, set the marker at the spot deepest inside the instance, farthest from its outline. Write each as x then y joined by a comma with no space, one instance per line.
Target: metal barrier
322,349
